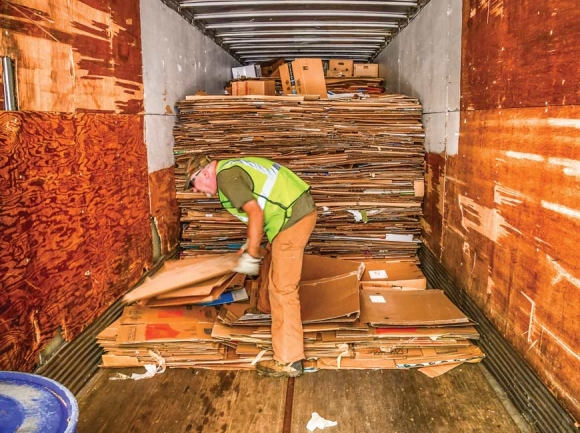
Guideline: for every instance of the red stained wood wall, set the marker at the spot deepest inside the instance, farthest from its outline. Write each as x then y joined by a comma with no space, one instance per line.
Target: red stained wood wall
74,221
503,215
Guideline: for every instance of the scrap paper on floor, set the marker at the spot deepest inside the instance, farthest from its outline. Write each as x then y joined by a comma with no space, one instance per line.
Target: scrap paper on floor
318,422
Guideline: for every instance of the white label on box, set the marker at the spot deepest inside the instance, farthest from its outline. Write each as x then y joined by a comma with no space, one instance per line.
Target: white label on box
375,275
377,299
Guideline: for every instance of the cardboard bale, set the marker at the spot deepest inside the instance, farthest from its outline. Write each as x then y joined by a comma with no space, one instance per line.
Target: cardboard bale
248,71
370,70
340,68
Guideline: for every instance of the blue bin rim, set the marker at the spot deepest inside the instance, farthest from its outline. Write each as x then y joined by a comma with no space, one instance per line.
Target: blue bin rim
53,386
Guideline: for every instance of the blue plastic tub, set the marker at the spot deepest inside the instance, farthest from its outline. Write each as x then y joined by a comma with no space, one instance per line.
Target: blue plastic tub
35,404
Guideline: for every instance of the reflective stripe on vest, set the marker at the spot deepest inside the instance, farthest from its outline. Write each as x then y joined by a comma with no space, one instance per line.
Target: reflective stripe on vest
276,204
271,173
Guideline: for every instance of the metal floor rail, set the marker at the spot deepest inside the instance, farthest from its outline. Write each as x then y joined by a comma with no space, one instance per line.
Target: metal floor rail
529,395
74,363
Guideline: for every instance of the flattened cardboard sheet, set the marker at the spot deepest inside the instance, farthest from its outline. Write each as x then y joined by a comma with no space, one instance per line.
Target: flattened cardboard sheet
393,274
384,307
319,267
182,276
336,299
137,314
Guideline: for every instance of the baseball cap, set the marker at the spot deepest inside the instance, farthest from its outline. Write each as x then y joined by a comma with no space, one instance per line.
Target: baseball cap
193,168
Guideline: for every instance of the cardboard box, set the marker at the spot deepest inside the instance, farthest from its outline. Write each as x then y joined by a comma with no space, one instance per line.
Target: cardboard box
288,82
370,70
272,70
393,274
303,77
253,87
336,66
248,71
338,74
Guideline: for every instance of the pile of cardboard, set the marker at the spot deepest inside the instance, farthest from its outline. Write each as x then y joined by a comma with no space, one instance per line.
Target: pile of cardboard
355,315
364,159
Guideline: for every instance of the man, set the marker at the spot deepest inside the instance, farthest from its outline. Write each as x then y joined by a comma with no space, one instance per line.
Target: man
272,199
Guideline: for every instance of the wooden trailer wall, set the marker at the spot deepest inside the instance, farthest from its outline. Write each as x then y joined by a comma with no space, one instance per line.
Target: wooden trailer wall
75,227
503,214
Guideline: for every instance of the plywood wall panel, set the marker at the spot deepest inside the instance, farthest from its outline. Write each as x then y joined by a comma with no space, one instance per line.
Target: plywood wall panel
520,53
75,55
433,206
164,209
75,230
511,229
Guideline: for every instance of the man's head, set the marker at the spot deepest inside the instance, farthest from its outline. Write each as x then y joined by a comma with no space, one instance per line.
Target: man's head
201,175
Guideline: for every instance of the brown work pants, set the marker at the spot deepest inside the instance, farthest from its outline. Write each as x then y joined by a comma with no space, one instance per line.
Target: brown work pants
281,297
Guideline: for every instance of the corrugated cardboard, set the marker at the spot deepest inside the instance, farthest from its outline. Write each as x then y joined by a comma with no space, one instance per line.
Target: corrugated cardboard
318,267
159,332
332,298
182,276
309,77
303,77
141,324
343,66
370,70
338,74
272,70
254,87
287,81
137,314
393,274
387,307
248,71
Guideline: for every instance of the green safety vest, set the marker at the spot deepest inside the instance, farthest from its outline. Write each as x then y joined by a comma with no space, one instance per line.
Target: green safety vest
276,189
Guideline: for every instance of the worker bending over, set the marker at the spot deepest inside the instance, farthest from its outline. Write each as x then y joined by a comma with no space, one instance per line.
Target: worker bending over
268,198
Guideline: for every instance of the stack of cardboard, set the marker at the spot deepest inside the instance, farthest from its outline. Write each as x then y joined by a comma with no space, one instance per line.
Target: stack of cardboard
200,281
363,158
370,86
355,316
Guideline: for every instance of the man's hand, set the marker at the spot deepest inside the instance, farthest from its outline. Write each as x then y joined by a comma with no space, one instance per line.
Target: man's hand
248,265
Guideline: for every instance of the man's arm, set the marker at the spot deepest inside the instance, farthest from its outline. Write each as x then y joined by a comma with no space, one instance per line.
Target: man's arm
255,226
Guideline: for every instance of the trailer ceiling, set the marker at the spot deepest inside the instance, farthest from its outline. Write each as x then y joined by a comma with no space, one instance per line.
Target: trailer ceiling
261,31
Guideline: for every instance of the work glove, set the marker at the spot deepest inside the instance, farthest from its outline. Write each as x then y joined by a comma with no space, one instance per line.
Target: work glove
248,265
243,248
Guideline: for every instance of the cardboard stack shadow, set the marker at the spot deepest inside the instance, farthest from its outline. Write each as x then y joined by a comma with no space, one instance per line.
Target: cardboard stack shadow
356,315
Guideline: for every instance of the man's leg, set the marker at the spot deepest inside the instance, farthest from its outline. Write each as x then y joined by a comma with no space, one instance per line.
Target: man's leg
263,303
285,271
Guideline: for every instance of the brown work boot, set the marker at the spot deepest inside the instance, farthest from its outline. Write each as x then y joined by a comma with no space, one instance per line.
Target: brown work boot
253,310
274,368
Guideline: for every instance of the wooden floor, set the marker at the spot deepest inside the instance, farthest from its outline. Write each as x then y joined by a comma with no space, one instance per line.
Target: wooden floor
392,401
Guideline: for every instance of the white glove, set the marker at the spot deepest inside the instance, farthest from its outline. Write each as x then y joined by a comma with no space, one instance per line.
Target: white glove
248,265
